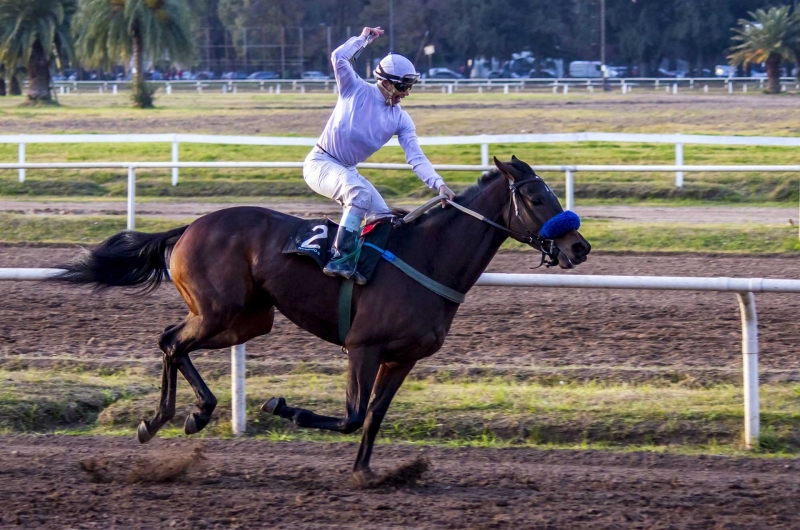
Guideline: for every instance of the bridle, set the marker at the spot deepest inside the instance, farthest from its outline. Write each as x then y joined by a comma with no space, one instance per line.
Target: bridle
547,247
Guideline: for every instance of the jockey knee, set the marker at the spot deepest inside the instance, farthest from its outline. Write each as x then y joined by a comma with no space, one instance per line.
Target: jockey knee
358,198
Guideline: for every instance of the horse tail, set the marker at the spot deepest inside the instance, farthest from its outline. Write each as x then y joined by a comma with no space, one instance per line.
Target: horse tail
125,259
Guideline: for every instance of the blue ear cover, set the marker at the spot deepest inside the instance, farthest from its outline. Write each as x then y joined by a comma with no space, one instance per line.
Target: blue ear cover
560,224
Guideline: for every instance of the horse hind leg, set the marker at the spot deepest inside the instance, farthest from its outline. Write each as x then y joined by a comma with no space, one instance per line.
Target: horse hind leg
194,334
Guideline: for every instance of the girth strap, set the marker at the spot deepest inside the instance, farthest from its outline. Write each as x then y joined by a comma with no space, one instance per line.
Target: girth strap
414,274
345,303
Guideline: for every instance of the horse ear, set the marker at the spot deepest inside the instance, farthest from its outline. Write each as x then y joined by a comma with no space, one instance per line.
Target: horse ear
514,158
508,170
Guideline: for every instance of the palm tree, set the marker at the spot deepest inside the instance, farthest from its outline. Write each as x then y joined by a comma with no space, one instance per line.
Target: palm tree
110,31
2,80
765,38
33,33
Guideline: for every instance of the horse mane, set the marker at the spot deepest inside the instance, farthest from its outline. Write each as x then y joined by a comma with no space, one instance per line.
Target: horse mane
464,198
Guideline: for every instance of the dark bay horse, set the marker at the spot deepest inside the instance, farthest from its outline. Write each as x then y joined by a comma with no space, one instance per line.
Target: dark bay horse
229,268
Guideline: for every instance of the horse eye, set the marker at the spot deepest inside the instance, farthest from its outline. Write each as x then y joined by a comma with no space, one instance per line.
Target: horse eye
537,201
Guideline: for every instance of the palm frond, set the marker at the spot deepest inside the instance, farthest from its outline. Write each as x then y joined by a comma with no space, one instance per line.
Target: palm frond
764,34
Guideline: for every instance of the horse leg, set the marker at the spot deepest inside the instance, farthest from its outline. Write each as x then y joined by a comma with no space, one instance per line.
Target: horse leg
363,365
390,377
166,405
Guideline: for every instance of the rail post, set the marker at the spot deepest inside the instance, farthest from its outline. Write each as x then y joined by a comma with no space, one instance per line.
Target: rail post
175,160
238,401
747,306
22,161
570,190
484,154
131,198
679,162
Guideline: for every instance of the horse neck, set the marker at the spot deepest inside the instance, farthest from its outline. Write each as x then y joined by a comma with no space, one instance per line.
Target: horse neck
463,245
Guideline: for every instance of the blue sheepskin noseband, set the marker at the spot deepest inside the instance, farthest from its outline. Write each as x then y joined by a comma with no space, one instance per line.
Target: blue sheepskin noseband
560,224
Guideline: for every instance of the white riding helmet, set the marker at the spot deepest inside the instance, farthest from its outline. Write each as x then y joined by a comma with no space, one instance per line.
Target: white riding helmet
397,70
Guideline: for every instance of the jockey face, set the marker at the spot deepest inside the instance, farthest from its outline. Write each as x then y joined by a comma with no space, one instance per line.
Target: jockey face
393,96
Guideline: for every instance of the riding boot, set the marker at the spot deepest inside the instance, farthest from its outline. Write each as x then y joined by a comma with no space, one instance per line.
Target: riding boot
345,256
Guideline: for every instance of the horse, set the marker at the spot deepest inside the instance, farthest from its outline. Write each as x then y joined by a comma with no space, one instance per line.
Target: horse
229,268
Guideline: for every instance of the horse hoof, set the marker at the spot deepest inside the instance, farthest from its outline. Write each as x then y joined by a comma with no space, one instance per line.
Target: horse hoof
365,478
274,406
143,433
195,423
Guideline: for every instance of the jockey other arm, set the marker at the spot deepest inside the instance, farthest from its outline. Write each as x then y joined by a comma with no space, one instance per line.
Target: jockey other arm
407,136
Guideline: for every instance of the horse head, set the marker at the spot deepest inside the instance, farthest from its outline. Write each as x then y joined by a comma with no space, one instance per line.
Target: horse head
534,210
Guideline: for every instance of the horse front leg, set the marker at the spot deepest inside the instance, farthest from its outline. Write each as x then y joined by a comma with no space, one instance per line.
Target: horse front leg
390,377
363,365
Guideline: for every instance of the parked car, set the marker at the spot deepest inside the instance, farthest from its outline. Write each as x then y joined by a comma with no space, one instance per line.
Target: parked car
234,75
262,76
542,74
585,69
314,74
443,73
200,76
495,74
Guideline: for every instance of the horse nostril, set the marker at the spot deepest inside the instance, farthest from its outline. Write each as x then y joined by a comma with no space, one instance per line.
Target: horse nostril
580,249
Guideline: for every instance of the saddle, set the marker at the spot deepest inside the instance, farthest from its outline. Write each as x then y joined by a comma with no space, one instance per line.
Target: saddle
314,238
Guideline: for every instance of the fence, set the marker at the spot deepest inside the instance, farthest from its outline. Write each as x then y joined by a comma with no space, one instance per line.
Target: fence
678,140
743,287
729,85
569,172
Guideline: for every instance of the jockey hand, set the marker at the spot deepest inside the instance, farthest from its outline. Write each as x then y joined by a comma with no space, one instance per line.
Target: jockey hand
375,32
446,192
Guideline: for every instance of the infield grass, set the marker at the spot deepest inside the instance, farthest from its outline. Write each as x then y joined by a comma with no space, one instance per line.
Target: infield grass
491,412
604,235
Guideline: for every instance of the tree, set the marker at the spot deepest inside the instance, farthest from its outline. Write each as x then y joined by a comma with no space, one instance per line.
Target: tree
765,38
34,33
110,31
2,80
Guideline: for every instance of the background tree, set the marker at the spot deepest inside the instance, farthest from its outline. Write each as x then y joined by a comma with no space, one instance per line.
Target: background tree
34,33
2,80
764,38
110,31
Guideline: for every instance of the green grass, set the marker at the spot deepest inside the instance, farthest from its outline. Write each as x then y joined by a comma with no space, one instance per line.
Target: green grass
722,187
434,114
604,235
491,412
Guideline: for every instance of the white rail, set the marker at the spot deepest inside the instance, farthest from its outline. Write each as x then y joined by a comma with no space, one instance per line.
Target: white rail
484,140
569,171
742,287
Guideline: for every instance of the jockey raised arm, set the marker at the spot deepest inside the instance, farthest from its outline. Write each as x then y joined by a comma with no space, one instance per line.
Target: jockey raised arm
365,118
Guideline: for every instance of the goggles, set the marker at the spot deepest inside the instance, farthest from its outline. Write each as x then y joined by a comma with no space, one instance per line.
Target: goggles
401,84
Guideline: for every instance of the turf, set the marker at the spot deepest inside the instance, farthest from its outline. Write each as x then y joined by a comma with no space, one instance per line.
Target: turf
491,412
604,235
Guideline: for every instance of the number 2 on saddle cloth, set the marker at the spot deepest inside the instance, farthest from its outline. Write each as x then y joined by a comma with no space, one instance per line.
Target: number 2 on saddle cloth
314,238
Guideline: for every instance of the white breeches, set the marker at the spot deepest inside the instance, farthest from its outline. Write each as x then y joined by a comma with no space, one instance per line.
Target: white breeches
328,177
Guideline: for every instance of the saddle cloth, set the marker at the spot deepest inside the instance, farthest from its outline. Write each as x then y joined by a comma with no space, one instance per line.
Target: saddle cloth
315,237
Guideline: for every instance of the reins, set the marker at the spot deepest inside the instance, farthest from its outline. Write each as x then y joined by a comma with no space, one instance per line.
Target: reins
529,239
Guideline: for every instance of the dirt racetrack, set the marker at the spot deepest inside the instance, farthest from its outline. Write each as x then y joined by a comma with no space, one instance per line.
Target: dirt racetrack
259,484
523,329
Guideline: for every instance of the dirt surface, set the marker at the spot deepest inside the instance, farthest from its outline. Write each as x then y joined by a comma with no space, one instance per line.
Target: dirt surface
515,328
303,485
311,209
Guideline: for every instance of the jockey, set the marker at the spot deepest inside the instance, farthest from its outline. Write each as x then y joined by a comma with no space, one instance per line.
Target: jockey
366,116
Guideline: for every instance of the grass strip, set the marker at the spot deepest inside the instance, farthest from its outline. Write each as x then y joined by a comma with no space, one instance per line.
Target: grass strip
604,235
492,412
